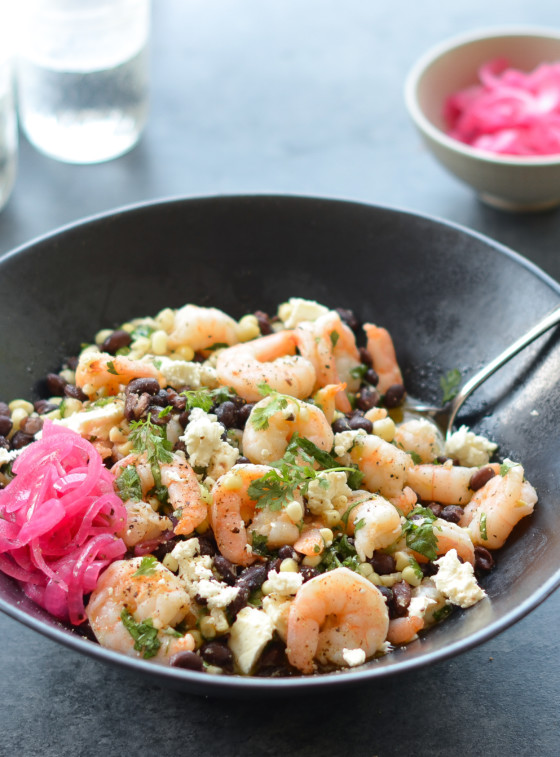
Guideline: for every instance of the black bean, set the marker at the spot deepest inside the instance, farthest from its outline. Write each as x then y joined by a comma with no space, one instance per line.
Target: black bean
452,513
167,546
141,385
401,598
253,577
481,477
365,357
242,460
43,406
177,401
441,459
428,568
382,564
157,417
187,660
160,399
217,653
436,508
263,320
31,424
136,405
5,425
308,572
20,439
371,377
4,409
340,424
72,362
226,570
239,602
75,393
394,396
207,546
226,413
483,560
286,552
116,341
348,317
357,421
243,414
274,564
387,593
184,418
273,661
55,384
367,398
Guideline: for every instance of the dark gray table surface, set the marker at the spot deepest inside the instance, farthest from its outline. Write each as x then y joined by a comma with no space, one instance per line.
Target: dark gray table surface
299,97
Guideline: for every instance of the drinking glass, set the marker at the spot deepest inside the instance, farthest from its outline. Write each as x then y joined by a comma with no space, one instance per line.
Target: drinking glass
82,76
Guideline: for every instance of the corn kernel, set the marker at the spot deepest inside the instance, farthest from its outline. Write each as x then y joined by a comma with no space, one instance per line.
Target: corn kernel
141,345
289,565
402,560
385,429
294,511
128,327
159,342
376,414
203,527
18,415
71,406
220,621
21,404
102,335
267,587
116,435
165,319
375,579
248,328
184,352
312,562
411,577
332,518
390,579
207,627
365,569
68,375
327,536
124,449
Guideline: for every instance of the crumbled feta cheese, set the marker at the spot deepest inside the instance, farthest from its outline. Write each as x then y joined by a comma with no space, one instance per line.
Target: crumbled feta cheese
284,583
278,608
471,450
249,635
353,657
223,459
345,440
418,605
297,310
329,490
217,594
177,373
6,456
456,580
202,437
195,573
95,421
427,590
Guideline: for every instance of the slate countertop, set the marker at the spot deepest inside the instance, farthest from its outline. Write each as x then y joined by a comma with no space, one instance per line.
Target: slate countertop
300,98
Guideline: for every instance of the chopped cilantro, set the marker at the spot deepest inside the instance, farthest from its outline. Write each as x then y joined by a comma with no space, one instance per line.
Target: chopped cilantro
335,336
415,567
152,439
62,408
111,368
217,346
442,613
450,384
359,524
143,330
101,402
482,527
416,459
129,486
147,566
144,634
506,466
260,415
259,544
341,554
165,412
359,371
419,532
200,398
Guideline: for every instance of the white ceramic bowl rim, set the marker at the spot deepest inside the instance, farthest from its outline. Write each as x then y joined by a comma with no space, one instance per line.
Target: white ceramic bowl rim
437,51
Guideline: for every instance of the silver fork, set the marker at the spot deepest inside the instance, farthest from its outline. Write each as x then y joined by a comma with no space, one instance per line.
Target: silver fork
445,416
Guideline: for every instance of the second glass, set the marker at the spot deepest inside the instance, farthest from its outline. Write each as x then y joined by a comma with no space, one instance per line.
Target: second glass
83,76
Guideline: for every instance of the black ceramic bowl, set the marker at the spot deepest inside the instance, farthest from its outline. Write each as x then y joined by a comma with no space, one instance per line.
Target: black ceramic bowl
451,299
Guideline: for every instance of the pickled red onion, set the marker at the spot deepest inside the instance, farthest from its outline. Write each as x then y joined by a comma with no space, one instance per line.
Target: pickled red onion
59,520
510,112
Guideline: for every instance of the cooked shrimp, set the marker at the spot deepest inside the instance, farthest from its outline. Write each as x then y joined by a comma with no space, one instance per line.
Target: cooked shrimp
406,501
267,360
158,597
330,345
421,437
200,328
265,445
184,496
375,523
496,508
334,612
99,372
446,484
233,509
404,630
382,352
325,398
451,536
385,467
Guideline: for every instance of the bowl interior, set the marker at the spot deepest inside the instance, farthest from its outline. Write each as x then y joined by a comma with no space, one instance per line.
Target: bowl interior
452,299
455,66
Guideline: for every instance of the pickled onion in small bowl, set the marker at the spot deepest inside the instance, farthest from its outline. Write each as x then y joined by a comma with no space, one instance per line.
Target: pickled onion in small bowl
510,112
59,522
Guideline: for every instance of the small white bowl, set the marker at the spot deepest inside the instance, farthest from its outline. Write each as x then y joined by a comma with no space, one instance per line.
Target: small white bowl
507,182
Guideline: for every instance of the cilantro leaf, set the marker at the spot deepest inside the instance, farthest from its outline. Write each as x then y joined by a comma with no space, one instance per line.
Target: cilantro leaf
199,398
335,336
129,486
506,466
260,415
259,544
147,566
359,371
152,439
341,554
144,634
442,613
142,331
419,532
111,368
450,384
482,527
